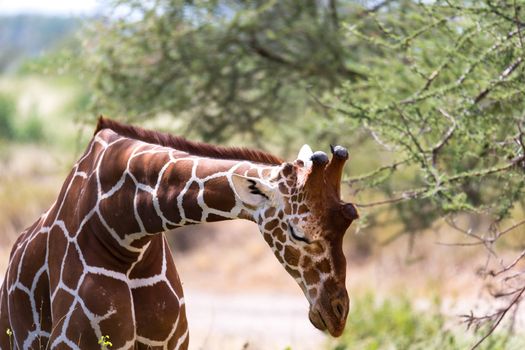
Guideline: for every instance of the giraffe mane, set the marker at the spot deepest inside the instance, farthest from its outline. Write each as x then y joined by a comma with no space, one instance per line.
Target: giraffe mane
191,147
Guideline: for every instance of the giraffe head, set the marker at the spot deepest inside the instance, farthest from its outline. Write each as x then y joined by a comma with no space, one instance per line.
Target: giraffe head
302,217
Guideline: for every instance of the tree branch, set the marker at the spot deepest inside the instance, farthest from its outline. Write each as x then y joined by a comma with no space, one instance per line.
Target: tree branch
508,71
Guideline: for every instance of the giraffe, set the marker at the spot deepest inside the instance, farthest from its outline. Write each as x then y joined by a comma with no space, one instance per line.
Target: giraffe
97,263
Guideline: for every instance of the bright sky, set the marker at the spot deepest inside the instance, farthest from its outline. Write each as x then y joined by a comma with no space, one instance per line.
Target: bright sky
50,7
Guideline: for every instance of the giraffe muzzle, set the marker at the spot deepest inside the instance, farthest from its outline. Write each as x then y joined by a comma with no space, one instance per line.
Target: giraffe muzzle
330,316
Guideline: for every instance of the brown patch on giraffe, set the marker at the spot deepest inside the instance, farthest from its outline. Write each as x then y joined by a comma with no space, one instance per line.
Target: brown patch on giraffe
314,248
312,293
181,329
148,174
57,250
70,205
279,234
20,304
283,188
119,210
147,266
81,333
278,246
38,343
270,212
291,255
311,276
141,242
287,208
73,269
293,272
303,209
287,169
33,261
117,155
155,316
103,251
218,196
306,262
102,293
268,238
16,257
280,215
189,203
214,217
61,304
88,198
171,272
120,324
42,302
171,184
330,285
266,172
90,160
252,172
147,213
271,225
205,169
324,266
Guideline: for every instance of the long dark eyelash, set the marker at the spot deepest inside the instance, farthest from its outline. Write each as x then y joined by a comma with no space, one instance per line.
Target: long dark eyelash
294,235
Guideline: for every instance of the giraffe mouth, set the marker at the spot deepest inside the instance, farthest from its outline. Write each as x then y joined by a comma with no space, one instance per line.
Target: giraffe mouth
317,320
324,324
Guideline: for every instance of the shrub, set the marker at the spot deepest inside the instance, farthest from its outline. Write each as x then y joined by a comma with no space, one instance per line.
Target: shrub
397,324
7,113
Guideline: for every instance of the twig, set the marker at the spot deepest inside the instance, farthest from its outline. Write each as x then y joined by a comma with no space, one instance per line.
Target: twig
508,71
446,138
391,167
518,24
499,316
404,196
509,266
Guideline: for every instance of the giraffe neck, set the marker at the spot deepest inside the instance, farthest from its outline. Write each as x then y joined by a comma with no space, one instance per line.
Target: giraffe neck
146,189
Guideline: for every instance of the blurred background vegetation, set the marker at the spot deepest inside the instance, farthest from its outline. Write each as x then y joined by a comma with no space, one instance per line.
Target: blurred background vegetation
427,95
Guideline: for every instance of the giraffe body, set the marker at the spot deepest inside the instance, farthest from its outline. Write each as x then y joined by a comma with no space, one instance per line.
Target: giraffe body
97,262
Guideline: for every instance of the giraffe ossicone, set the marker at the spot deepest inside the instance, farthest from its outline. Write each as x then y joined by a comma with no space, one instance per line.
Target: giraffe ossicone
97,263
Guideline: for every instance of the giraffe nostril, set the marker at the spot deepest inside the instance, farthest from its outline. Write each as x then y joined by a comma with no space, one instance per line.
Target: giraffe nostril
338,308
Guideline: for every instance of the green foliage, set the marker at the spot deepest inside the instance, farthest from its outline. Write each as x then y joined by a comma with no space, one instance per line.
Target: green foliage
223,68
31,130
397,324
444,96
7,114
438,85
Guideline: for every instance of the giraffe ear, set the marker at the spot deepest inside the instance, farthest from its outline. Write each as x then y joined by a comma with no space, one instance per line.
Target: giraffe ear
305,153
251,190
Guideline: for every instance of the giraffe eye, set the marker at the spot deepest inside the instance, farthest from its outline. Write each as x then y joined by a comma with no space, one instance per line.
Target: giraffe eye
295,236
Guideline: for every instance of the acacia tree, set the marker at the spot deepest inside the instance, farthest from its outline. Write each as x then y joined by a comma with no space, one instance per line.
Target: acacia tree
444,98
437,86
221,67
